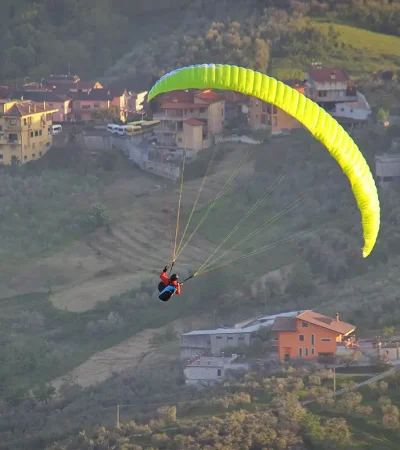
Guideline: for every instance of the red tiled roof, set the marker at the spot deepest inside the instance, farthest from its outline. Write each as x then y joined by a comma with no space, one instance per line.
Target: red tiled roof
21,109
84,84
326,322
194,122
209,96
181,105
178,96
284,324
324,75
289,324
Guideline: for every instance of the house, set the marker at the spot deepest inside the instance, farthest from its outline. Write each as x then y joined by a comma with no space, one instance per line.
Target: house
210,370
190,120
309,335
24,131
85,103
135,101
329,86
213,342
62,84
53,101
263,115
357,112
236,103
387,169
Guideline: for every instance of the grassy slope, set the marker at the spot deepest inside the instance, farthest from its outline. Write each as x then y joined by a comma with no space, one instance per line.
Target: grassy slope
370,52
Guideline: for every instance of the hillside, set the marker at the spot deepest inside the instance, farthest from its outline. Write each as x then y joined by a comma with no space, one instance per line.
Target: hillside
84,239
278,408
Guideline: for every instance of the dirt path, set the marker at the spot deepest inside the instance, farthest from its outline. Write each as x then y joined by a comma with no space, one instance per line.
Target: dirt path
127,355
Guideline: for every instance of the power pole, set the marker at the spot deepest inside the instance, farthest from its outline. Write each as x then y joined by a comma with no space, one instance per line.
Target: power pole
334,377
118,427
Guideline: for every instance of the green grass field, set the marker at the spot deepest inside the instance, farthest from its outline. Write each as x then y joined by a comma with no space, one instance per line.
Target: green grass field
364,51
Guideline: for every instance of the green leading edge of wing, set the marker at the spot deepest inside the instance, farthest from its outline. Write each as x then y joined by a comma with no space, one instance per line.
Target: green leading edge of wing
323,126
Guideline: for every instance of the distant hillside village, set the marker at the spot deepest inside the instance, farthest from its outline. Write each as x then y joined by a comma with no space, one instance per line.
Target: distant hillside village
302,336
186,120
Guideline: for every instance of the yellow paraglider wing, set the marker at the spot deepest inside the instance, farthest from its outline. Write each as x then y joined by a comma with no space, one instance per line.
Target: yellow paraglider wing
323,126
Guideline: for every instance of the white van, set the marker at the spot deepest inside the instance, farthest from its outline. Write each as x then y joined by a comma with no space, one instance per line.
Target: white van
121,130
112,128
56,129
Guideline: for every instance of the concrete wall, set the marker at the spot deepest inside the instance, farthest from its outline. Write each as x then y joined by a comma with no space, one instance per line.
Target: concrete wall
129,146
242,139
220,341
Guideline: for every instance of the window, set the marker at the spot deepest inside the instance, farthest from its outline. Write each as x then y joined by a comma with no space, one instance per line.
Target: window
256,102
40,154
256,115
300,352
191,110
36,133
50,105
96,105
313,351
31,133
264,107
202,110
1,156
13,121
40,132
29,121
313,339
307,351
301,337
219,372
12,137
304,324
219,337
230,338
25,158
275,121
322,93
341,109
25,122
33,155
85,107
325,339
180,140
274,109
241,338
1,127
222,112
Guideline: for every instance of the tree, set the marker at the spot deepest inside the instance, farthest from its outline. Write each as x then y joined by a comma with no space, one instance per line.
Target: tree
382,115
44,392
301,282
98,216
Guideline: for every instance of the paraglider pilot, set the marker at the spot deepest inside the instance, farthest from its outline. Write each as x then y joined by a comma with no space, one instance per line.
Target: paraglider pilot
168,285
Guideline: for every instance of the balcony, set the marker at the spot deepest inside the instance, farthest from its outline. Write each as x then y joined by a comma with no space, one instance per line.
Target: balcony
168,115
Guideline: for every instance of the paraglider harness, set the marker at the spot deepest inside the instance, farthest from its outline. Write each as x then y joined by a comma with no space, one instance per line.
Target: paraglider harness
166,292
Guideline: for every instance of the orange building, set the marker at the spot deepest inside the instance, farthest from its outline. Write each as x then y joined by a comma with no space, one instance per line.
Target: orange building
310,335
266,116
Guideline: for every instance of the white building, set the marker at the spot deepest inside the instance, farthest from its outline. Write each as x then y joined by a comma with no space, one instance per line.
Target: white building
212,342
358,111
387,168
210,370
329,86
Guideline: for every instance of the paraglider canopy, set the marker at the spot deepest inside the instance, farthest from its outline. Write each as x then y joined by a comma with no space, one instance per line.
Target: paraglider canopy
323,126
